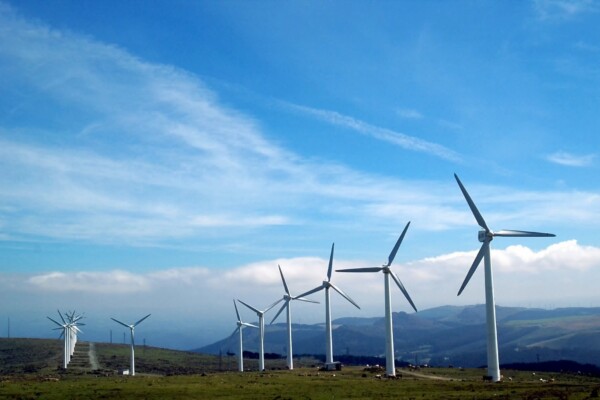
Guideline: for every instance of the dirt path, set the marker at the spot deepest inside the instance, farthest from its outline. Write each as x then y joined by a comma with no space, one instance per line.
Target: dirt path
425,376
93,358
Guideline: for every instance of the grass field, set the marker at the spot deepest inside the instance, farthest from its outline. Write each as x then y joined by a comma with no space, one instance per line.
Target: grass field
168,374
304,383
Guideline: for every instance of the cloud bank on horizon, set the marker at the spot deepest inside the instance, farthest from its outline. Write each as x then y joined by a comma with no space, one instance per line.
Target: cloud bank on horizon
565,267
121,174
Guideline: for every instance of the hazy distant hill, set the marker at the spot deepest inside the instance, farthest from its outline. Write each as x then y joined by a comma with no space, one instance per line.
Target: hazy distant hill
447,335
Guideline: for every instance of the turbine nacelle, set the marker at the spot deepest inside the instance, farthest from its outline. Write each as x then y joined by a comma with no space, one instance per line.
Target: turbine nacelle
485,236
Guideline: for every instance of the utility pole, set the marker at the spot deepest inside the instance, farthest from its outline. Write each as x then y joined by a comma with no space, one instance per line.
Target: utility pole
111,336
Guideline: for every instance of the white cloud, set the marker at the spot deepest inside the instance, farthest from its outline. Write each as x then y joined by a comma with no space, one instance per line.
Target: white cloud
304,273
571,160
561,275
91,282
409,113
563,9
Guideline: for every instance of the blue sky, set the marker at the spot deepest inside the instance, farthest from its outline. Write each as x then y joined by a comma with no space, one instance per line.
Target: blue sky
166,157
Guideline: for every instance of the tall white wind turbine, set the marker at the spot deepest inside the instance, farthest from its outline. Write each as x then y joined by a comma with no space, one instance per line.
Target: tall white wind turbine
387,272
485,237
326,285
131,330
261,331
287,298
240,326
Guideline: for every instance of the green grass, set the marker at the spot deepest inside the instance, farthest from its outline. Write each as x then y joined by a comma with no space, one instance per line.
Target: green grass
304,383
29,355
29,369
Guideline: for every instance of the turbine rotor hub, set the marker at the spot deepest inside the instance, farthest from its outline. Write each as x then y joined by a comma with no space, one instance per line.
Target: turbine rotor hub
485,236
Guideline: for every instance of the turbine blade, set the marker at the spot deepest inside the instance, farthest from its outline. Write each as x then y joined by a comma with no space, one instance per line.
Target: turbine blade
315,290
119,322
330,263
397,246
233,333
344,295
279,312
305,300
137,323
76,319
511,233
401,286
249,306
283,280
472,206
57,323
273,305
370,269
61,317
476,262
249,325
236,311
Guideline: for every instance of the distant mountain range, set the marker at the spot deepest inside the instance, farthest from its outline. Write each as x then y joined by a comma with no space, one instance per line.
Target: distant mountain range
448,335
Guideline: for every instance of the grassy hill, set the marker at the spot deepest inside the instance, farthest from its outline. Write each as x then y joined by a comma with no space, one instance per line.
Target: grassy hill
31,370
44,356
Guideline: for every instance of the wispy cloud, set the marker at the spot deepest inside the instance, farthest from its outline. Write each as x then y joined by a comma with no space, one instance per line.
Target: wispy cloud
571,160
387,135
563,9
409,113
149,154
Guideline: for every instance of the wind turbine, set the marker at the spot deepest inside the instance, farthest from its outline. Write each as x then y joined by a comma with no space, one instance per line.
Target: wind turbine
261,330
485,237
131,329
287,298
69,333
387,272
326,285
240,326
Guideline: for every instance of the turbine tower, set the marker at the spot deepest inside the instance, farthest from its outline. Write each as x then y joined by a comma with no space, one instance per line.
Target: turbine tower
387,272
131,329
485,237
261,331
326,285
287,298
240,326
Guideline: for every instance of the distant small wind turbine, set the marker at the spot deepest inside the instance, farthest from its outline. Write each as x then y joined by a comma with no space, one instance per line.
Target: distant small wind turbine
69,333
240,326
387,272
326,285
287,298
485,237
131,330
261,330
